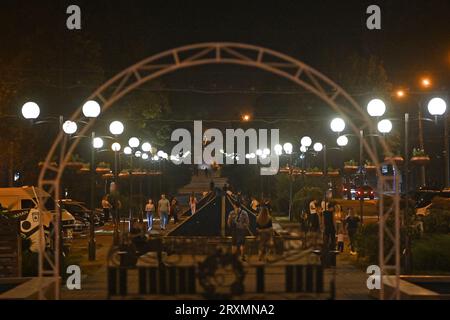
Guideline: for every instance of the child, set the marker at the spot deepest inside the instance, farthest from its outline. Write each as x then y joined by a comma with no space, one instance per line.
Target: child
340,240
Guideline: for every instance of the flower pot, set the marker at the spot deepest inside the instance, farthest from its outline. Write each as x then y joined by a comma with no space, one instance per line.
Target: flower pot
75,165
139,173
84,170
350,168
107,176
371,168
333,173
53,164
397,159
314,174
102,170
420,160
153,173
124,175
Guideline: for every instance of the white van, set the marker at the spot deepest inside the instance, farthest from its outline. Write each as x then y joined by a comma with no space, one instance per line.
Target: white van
22,203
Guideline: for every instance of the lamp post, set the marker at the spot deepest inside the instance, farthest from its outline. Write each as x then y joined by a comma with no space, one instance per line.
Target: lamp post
91,109
116,128
438,107
287,147
133,143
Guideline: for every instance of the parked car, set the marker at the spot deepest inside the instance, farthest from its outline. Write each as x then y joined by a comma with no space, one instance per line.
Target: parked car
424,199
23,202
349,191
365,192
81,213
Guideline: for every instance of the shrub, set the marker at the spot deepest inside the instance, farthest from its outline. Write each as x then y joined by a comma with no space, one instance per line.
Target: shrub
431,253
302,198
438,221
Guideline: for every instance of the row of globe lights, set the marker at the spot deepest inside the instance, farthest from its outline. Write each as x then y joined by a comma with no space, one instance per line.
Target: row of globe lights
91,109
376,108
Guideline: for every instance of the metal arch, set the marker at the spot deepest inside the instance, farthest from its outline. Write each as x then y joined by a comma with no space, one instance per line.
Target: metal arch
201,54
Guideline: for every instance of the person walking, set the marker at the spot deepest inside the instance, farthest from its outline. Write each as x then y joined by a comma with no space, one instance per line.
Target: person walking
114,200
329,229
351,225
254,205
340,240
106,206
193,203
163,210
314,219
265,231
149,211
174,210
238,222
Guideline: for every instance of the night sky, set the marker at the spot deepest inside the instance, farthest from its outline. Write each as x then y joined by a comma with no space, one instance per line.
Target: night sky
414,41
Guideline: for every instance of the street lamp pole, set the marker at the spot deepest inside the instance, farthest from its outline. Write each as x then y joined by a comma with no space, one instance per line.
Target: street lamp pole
92,244
361,200
446,152
290,186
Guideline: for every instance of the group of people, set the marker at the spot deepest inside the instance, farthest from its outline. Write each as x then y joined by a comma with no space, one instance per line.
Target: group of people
165,209
328,218
238,222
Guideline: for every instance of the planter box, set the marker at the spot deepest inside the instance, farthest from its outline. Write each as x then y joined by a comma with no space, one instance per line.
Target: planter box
124,175
333,173
350,169
102,170
139,173
153,173
84,170
420,160
107,176
371,168
53,164
397,159
75,165
314,174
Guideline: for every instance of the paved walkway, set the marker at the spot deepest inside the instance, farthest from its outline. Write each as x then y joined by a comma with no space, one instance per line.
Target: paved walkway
350,281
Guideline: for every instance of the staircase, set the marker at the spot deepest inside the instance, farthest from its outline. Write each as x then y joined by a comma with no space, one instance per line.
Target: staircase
200,183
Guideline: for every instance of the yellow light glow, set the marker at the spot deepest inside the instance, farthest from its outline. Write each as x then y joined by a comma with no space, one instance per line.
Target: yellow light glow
400,93
425,82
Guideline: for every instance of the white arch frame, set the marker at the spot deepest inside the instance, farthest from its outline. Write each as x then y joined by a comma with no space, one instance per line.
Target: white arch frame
221,53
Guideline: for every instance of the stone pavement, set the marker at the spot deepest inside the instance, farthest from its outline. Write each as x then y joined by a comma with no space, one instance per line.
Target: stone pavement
350,281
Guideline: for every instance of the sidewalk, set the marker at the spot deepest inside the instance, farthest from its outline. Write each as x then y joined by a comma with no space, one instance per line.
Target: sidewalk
350,280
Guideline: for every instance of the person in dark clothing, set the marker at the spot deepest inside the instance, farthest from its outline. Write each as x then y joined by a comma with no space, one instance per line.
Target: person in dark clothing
314,221
351,224
174,210
238,222
265,230
329,229
116,205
